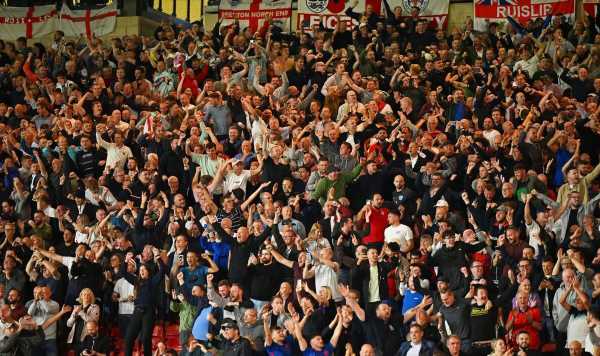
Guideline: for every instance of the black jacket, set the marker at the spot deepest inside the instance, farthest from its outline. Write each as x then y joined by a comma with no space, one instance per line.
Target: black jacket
99,344
362,274
24,343
240,252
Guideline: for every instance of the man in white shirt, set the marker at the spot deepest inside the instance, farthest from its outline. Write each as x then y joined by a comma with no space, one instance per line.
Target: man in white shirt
352,105
124,294
237,178
489,132
116,153
529,62
398,232
416,346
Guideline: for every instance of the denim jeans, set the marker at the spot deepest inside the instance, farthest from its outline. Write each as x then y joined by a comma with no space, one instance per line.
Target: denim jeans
548,325
124,320
49,347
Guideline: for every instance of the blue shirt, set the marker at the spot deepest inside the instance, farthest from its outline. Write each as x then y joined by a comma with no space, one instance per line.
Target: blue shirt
562,156
281,350
196,276
459,113
219,251
411,300
328,350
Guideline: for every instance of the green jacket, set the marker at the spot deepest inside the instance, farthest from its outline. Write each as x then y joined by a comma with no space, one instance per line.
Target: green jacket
187,314
339,185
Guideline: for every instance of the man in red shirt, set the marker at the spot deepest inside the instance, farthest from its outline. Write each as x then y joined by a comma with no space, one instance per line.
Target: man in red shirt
376,217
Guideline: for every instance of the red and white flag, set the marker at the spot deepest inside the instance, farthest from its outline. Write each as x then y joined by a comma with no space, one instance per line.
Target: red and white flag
38,21
85,22
29,22
252,13
521,11
312,12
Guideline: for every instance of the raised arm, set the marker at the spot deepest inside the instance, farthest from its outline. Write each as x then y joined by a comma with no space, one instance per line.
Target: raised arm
51,255
253,196
298,333
337,332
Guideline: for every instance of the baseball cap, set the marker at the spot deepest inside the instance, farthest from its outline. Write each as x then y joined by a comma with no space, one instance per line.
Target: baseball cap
441,204
229,323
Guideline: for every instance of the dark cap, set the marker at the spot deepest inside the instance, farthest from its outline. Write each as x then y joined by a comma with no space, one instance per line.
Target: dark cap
229,323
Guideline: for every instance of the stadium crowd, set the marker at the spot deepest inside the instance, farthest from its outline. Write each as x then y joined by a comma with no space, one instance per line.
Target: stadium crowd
391,189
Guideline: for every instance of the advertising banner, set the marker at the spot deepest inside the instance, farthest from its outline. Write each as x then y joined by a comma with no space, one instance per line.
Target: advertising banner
520,10
310,12
252,13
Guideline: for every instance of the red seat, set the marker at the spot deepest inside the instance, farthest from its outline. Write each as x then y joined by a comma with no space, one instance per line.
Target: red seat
115,332
548,348
173,343
158,331
173,329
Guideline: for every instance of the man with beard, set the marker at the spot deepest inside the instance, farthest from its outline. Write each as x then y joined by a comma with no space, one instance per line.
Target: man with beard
266,278
94,344
452,256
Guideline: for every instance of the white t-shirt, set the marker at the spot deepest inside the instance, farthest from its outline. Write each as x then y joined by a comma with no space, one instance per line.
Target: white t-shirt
68,261
124,289
529,65
233,181
578,329
82,237
325,276
400,234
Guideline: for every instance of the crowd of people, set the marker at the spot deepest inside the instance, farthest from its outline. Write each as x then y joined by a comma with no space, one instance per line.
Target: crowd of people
388,188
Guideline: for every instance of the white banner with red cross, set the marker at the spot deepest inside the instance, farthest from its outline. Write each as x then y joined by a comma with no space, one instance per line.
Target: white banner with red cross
38,21
252,13
29,22
78,22
521,11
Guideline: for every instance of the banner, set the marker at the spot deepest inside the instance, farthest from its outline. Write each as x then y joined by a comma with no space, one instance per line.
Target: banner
78,22
29,22
591,6
436,11
311,11
252,13
520,10
37,21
